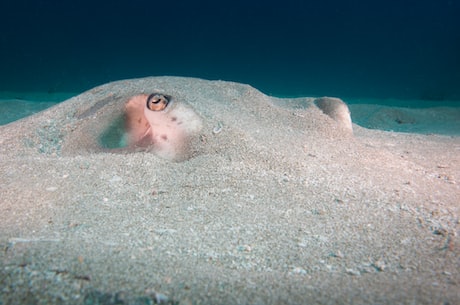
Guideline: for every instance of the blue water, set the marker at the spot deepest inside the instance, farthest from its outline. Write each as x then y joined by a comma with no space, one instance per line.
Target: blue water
381,48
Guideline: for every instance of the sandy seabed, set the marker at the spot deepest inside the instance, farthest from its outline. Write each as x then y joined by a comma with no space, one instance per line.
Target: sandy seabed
278,204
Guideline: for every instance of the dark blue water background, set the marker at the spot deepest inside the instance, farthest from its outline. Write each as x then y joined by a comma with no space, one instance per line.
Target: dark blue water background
397,49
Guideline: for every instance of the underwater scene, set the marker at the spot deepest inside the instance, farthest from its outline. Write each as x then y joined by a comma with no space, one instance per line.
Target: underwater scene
229,152
398,54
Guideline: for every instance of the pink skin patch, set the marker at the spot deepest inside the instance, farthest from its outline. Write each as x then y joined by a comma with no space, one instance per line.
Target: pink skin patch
137,127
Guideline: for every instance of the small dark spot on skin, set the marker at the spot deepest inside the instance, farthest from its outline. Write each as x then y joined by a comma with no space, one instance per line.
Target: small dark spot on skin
83,278
164,137
173,119
139,120
179,123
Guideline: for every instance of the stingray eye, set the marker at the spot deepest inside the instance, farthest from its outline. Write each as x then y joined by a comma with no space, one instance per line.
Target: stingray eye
157,102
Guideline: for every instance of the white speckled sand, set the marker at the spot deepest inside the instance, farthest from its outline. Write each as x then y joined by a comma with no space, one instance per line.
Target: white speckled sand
278,204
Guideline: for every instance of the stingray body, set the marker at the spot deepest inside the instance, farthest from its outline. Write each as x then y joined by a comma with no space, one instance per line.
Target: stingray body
156,121
185,118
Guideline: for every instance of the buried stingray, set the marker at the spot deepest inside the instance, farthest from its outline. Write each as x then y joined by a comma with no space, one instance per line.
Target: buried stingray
109,119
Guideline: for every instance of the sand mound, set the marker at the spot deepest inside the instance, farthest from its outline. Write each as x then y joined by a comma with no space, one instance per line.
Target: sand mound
276,203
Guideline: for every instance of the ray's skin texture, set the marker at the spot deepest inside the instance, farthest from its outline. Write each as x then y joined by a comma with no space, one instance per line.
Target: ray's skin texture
156,121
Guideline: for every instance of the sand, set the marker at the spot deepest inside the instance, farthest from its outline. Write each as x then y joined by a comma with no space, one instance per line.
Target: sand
16,105
425,120
278,204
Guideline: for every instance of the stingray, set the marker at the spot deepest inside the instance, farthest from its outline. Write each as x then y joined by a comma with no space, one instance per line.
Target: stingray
176,119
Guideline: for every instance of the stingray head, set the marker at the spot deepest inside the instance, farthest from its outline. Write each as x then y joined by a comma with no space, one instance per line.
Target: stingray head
159,123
